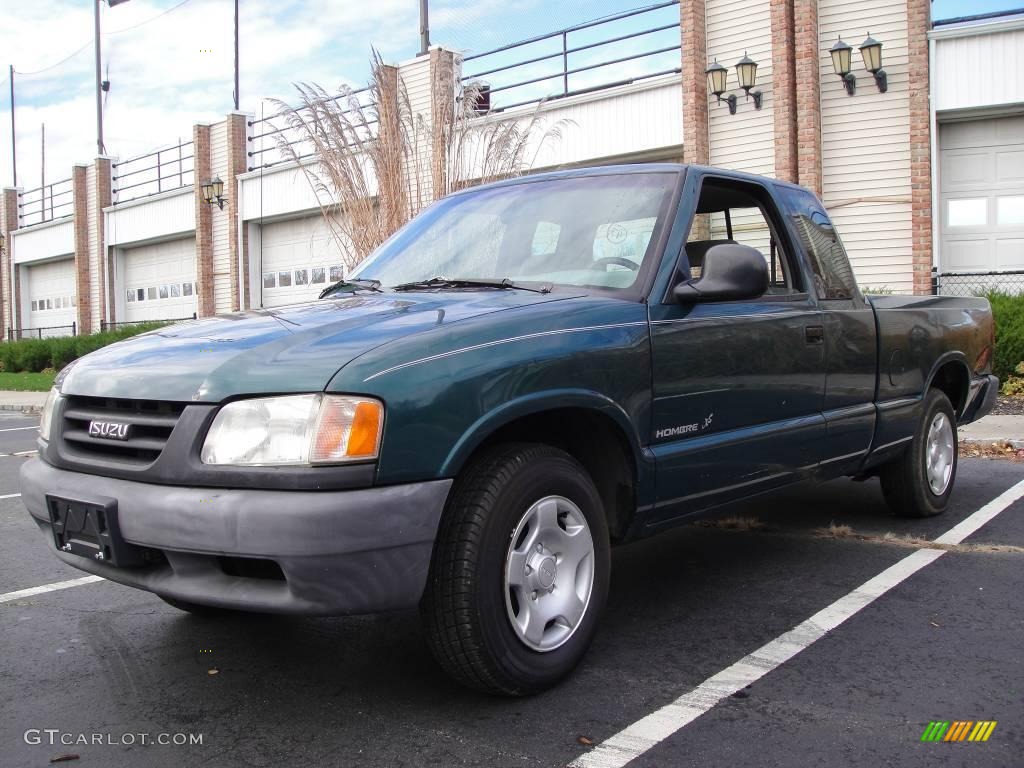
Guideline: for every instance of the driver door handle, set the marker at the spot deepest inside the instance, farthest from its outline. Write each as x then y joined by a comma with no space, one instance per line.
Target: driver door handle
814,334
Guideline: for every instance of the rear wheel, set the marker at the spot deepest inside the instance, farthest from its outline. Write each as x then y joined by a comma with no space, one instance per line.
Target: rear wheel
919,483
520,571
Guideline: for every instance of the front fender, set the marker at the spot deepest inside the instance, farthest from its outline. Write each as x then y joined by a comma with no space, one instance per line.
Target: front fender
534,403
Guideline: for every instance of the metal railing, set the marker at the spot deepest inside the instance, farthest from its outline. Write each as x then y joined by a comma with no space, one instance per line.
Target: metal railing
108,326
273,132
978,283
46,203
558,46
16,334
154,172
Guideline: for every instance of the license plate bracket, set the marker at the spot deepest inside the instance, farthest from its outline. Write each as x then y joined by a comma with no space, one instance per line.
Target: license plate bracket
91,529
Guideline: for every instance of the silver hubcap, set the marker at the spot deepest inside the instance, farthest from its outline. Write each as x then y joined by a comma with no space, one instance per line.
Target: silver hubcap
940,451
549,573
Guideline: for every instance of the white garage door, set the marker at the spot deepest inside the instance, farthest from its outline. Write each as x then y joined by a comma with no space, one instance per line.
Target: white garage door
52,297
300,259
160,280
982,195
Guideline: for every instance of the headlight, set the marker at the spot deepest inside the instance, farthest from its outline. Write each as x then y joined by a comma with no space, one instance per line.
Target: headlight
47,415
295,429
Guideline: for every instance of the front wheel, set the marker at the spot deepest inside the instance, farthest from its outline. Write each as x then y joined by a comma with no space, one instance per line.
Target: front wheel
520,571
919,483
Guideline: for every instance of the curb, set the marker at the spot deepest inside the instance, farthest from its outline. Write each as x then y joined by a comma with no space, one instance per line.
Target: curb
28,409
1016,444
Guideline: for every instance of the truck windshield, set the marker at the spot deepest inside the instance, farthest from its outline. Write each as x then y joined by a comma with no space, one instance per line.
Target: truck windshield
592,231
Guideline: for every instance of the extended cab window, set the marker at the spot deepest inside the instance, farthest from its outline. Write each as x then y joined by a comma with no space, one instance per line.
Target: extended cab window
833,276
596,231
734,212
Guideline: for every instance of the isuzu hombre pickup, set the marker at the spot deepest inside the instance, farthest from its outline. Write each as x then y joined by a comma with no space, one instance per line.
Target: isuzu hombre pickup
526,374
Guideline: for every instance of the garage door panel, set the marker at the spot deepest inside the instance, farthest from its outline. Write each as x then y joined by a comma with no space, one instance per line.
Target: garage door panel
159,281
982,195
52,296
300,259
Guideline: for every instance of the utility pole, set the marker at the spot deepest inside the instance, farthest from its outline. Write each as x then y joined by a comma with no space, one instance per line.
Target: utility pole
99,77
14,140
236,56
99,85
424,28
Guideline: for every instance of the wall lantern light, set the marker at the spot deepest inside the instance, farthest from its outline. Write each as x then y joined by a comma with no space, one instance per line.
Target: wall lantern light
746,75
213,192
871,52
2,239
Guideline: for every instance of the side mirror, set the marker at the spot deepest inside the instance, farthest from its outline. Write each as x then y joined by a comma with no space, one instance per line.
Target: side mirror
731,272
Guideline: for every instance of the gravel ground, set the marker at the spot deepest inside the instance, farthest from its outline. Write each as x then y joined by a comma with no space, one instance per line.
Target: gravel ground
1009,406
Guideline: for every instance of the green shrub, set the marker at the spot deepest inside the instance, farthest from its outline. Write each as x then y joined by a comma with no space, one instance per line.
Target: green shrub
35,355
1008,312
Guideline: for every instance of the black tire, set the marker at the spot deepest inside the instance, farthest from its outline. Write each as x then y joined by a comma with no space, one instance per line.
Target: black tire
904,480
464,611
196,609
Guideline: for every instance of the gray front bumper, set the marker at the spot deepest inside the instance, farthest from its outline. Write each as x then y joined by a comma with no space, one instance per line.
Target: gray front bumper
356,551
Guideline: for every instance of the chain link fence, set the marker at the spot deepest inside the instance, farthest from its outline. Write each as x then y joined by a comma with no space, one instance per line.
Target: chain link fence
979,283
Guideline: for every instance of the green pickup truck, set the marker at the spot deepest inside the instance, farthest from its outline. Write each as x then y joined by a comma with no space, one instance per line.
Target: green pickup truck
526,374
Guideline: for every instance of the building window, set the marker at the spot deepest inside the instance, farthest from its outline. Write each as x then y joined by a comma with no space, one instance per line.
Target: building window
967,213
319,275
151,293
269,279
1010,211
33,305
284,279
302,277
175,290
186,289
337,273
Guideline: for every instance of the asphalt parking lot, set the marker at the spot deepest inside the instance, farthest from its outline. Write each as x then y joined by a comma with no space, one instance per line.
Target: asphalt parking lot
945,644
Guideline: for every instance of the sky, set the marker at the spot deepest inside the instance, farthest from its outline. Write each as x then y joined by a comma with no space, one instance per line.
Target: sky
170,61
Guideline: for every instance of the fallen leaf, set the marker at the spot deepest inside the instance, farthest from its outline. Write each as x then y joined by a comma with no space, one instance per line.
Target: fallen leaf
63,758
213,671
584,741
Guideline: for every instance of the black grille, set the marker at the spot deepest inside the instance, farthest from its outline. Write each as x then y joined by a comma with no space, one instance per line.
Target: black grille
151,424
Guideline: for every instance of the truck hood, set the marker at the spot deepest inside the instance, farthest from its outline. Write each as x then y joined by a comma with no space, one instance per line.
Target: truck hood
297,348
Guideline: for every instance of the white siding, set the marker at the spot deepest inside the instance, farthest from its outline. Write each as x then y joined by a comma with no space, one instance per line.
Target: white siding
865,143
977,71
220,221
43,241
641,119
281,190
414,79
171,213
744,141
93,249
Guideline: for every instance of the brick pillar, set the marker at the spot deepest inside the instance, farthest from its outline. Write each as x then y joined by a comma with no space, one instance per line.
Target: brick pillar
695,83
784,90
394,200
808,95
98,196
8,223
443,78
204,230
918,22
80,196
238,240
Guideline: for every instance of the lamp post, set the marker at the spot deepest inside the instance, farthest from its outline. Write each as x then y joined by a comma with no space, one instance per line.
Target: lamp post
99,75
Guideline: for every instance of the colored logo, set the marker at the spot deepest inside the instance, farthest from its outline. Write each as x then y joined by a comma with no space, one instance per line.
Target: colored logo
958,730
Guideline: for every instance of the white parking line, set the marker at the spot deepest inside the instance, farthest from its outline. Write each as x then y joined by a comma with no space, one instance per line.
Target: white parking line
649,731
9,596
11,496
16,429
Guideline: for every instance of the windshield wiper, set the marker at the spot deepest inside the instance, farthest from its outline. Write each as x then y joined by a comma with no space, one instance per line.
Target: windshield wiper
466,282
357,283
